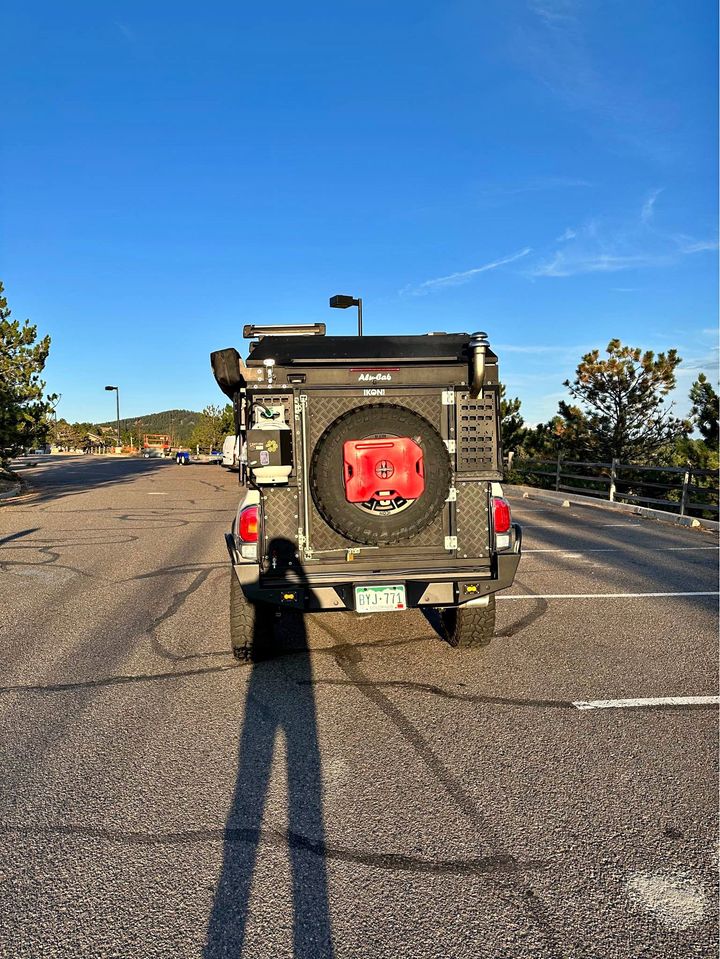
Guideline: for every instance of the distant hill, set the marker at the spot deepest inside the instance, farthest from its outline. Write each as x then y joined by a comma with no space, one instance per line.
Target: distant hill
177,423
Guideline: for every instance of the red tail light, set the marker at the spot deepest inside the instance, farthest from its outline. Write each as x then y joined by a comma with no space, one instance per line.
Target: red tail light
248,526
501,515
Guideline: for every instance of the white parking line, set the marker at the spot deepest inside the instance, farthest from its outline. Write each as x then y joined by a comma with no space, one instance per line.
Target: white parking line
650,701
600,595
624,549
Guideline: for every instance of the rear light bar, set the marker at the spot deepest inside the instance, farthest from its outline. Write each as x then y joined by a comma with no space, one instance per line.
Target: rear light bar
249,524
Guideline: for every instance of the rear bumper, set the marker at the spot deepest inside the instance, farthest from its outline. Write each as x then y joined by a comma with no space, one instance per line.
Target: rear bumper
320,590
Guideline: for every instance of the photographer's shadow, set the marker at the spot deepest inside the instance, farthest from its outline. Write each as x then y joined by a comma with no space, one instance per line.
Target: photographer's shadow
280,700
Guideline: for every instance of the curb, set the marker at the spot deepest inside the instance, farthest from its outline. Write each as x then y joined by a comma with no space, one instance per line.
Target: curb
565,499
13,491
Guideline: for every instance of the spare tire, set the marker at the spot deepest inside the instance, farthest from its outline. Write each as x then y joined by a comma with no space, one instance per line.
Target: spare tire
379,523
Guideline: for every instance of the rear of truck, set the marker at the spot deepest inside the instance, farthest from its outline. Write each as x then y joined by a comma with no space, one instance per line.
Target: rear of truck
370,481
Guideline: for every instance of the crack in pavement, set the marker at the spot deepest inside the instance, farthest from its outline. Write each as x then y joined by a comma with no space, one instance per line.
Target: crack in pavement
120,680
520,897
443,693
394,862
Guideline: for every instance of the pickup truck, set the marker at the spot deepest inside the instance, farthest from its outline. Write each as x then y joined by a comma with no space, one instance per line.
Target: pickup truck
370,481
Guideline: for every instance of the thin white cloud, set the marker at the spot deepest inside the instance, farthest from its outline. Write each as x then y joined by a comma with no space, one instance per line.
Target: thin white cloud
648,207
554,11
555,348
535,185
610,246
457,279
556,43
687,244
563,264
126,31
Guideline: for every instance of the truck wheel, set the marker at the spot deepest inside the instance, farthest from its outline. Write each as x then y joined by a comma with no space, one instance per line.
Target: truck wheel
468,626
251,625
379,522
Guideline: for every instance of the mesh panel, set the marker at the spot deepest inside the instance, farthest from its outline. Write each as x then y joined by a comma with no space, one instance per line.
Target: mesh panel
476,419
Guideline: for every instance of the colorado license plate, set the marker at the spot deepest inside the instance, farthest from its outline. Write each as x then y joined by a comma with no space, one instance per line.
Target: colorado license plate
377,599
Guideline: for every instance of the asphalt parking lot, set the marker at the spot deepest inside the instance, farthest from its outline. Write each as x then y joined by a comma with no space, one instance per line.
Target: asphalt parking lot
372,792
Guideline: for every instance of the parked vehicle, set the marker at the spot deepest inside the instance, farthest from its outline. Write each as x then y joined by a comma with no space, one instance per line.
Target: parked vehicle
157,441
371,480
215,457
231,452
182,457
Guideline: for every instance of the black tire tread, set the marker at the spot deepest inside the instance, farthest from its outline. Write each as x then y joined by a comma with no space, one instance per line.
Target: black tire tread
468,627
251,625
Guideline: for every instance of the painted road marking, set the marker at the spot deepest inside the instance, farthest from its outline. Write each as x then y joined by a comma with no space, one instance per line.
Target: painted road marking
678,901
600,595
624,549
649,701
157,494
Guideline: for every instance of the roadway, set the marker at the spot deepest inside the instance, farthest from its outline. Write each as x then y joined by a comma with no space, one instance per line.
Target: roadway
372,792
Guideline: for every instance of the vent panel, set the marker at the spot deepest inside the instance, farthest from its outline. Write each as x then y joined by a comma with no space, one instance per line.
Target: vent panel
476,428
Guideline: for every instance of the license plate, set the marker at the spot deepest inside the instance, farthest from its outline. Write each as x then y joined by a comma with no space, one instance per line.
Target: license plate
377,599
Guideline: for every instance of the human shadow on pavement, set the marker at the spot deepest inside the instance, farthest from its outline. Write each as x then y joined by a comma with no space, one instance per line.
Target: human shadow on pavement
279,706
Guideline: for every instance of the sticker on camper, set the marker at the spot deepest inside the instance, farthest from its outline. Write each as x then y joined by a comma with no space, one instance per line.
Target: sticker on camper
271,446
264,458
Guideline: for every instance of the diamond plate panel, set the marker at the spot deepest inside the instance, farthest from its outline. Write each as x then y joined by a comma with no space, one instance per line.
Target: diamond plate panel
324,410
280,513
325,537
472,519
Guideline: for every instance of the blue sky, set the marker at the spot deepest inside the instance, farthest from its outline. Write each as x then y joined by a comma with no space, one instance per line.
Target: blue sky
543,170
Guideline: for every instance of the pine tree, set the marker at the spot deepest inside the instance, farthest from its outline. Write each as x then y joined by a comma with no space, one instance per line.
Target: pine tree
512,425
704,412
23,409
623,400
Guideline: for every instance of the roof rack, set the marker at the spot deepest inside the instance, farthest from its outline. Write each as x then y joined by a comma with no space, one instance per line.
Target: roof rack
251,330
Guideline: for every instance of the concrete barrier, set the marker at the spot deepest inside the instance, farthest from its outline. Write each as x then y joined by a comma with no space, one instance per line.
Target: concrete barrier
12,491
565,499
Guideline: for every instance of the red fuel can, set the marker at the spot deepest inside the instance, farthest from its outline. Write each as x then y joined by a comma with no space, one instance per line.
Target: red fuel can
383,469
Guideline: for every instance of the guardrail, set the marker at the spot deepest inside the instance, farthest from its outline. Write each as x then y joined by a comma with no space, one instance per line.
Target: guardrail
687,490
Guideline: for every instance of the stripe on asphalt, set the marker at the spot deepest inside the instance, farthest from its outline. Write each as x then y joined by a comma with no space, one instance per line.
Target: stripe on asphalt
624,549
600,595
650,701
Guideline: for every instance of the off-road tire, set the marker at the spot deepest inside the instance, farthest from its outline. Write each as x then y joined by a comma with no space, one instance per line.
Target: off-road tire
469,626
251,625
326,475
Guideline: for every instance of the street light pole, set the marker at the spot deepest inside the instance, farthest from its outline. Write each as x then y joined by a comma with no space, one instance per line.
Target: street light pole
341,302
54,413
117,410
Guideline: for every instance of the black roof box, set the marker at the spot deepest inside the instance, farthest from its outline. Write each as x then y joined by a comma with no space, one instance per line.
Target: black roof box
341,350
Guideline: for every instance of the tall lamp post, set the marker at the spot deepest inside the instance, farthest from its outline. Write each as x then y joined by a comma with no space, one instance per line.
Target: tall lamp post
58,397
117,409
342,302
